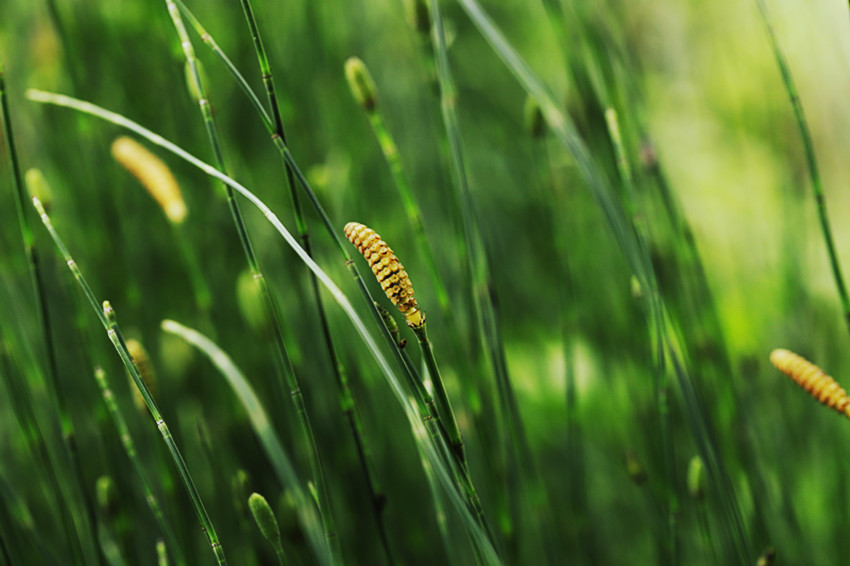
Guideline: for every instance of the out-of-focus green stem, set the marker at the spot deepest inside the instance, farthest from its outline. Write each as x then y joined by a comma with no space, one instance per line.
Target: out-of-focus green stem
811,162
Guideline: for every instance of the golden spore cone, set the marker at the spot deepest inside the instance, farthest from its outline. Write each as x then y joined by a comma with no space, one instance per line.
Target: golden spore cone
387,269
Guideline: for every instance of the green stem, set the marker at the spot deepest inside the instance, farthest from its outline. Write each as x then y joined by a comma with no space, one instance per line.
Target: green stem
75,500
662,385
347,401
295,392
811,162
443,404
130,448
106,315
415,419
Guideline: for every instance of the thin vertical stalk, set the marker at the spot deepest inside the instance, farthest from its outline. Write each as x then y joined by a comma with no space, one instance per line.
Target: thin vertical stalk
107,318
278,137
662,382
517,453
443,403
130,448
295,392
84,551
811,161
428,439
347,401
635,254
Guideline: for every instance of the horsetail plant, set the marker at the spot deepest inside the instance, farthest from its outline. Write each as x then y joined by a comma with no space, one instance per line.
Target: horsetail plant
295,392
813,379
347,400
520,461
422,425
396,284
363,89
107,318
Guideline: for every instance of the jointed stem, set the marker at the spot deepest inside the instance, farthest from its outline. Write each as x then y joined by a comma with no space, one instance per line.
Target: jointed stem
295,392
130,449
106,315
811,163
39,294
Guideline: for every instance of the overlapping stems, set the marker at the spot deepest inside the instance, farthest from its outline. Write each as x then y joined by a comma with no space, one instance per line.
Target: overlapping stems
432,446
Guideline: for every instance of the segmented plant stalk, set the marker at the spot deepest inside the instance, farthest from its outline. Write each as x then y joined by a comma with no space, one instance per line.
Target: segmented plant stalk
365,92
671,538
432,447
289,160
346,398
811,162
83,543
813,379
347,401
396,284
110,324
130,448
667,341
518,451
289,371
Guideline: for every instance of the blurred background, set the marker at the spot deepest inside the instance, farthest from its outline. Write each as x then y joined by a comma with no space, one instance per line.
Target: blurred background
700,98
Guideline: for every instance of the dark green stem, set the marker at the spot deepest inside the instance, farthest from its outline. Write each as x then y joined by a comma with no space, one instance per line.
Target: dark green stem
130,448
77,499
107,318
811,162
295,392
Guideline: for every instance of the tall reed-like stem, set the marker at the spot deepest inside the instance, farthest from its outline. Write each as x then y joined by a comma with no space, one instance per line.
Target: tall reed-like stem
295,391
107,318
83,547
130,449
347,400
667,342
429,443
811,161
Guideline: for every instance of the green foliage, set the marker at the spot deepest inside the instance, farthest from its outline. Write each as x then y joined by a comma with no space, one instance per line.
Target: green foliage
606,208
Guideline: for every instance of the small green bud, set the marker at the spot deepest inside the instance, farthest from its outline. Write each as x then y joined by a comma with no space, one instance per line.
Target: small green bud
696,478
535,124
38,187
361,84
264,516
105,494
